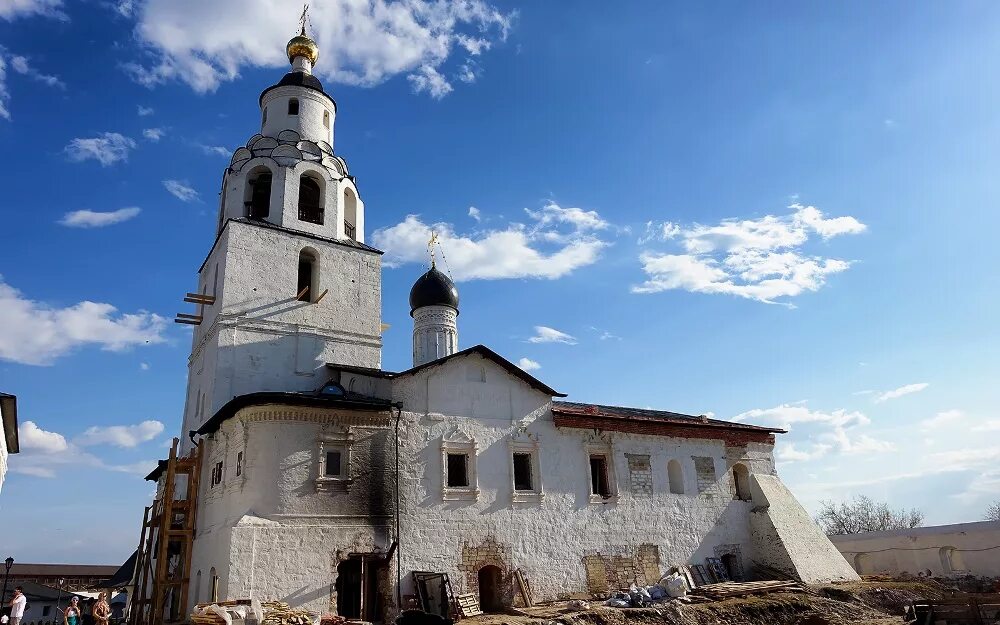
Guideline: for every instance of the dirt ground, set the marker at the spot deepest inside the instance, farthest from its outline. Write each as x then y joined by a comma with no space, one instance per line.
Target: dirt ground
867,603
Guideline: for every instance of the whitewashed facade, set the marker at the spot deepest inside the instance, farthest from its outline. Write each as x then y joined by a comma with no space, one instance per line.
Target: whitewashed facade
327,481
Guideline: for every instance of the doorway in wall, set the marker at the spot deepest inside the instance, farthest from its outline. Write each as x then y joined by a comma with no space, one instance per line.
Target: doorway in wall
489,589
732,564
357,588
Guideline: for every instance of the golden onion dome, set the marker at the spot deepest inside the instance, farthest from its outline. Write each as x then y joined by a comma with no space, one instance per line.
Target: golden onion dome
302,45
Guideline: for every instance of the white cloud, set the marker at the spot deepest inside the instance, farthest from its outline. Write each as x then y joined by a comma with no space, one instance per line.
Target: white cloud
475,214
558,242
553,214
33,438
153,134
120,435
361,43
545,334
34,333
785,415
838,431
4,94
43,452
143,111
604,335
940,419
659,231
21,65
428,79
468,72
215,150
993,425
899,392
10,9
107,149
528,364
95,219
144,366
760,259
180,190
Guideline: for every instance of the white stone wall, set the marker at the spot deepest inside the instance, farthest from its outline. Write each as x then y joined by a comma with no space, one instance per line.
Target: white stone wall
308,123
435,333
258,337
272,532
549,537
943,550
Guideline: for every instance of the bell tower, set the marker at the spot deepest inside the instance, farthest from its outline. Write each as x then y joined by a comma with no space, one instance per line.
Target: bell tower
290,281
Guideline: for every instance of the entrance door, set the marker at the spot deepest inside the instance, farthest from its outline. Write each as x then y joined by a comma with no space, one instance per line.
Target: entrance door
357,589
489,589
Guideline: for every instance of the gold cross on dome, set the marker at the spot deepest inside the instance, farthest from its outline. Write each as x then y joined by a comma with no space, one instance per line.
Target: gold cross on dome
304,17
430,245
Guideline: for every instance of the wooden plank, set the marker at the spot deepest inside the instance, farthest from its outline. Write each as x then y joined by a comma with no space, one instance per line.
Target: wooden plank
321,296
187,316
190,322
202,298
304,290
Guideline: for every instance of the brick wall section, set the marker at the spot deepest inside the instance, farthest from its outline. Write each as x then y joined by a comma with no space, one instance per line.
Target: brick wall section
705,471
640,475
732,436
609,573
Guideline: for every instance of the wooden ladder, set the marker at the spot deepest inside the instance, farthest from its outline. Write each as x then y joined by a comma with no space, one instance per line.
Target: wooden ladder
168,528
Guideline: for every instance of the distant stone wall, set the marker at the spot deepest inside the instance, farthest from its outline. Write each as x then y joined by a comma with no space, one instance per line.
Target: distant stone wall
942,550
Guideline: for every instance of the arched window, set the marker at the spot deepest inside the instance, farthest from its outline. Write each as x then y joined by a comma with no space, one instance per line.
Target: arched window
308,282
293,106
310,200
326,119
350,214
863,564
741,478
258,196
213,586
951,560
676,477
263,117
197,587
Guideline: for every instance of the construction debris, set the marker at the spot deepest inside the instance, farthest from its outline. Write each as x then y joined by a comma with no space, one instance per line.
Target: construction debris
280,613
728,590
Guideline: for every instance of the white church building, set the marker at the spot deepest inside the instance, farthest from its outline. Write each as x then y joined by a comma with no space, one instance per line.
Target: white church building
328,482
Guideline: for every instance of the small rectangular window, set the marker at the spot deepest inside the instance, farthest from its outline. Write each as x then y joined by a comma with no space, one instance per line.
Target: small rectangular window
46,610
332,466
599,482
522,472
293,107
217,474
263,119
458,470
239,464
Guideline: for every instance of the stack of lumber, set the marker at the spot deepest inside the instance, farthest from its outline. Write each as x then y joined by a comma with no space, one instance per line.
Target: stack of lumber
729,590
211,618
280,613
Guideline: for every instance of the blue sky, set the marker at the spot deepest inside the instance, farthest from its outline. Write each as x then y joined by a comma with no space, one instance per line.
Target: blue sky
777,213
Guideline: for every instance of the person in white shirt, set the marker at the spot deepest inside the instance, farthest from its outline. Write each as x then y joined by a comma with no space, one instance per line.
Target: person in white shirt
17,606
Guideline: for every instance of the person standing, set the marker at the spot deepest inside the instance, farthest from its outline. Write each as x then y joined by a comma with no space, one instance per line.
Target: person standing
101,611
17,606
72,615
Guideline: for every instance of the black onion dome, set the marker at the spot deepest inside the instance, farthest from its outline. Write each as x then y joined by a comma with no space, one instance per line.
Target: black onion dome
433,289
299,79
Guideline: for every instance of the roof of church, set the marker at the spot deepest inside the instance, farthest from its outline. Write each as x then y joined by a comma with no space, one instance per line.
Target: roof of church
482,350
433,289
354,401
299,79
574,409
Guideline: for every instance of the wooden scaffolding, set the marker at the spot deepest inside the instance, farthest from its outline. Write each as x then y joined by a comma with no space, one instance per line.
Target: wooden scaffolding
163,568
